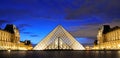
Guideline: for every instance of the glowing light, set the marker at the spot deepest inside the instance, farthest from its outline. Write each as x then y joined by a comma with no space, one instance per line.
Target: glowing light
9,50
118,45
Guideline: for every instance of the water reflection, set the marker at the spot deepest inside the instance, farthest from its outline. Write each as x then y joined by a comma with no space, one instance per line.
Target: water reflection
60,54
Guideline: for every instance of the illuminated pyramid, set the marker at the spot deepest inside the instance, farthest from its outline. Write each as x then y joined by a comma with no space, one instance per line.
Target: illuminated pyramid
59,39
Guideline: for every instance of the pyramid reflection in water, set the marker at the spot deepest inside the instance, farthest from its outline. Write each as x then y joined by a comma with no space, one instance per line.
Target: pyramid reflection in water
59,39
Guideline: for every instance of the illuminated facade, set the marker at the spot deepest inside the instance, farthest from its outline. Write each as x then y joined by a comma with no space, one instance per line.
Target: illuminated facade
10,39
108,38
59,39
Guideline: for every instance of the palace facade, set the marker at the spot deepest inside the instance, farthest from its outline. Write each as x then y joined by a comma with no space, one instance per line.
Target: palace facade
108,38
10,39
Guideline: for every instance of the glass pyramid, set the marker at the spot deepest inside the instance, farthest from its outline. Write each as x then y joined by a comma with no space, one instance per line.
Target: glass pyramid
59,39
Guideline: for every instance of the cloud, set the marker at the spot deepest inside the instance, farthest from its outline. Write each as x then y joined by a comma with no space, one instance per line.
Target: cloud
13,12
86,31
34,35
3,22
115,22
23,27
28,8
27,32
76,9
31,34
89,8
34,8
89,30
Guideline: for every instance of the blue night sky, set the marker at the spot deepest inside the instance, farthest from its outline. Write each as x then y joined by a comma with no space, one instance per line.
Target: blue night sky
37,18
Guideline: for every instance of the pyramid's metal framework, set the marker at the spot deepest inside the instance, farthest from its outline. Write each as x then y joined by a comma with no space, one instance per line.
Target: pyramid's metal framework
59,38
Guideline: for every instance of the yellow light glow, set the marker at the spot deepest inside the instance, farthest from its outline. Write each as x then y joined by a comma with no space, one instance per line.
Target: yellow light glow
9,50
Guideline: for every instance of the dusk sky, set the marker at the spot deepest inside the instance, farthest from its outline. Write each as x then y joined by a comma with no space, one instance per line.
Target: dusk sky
35,19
